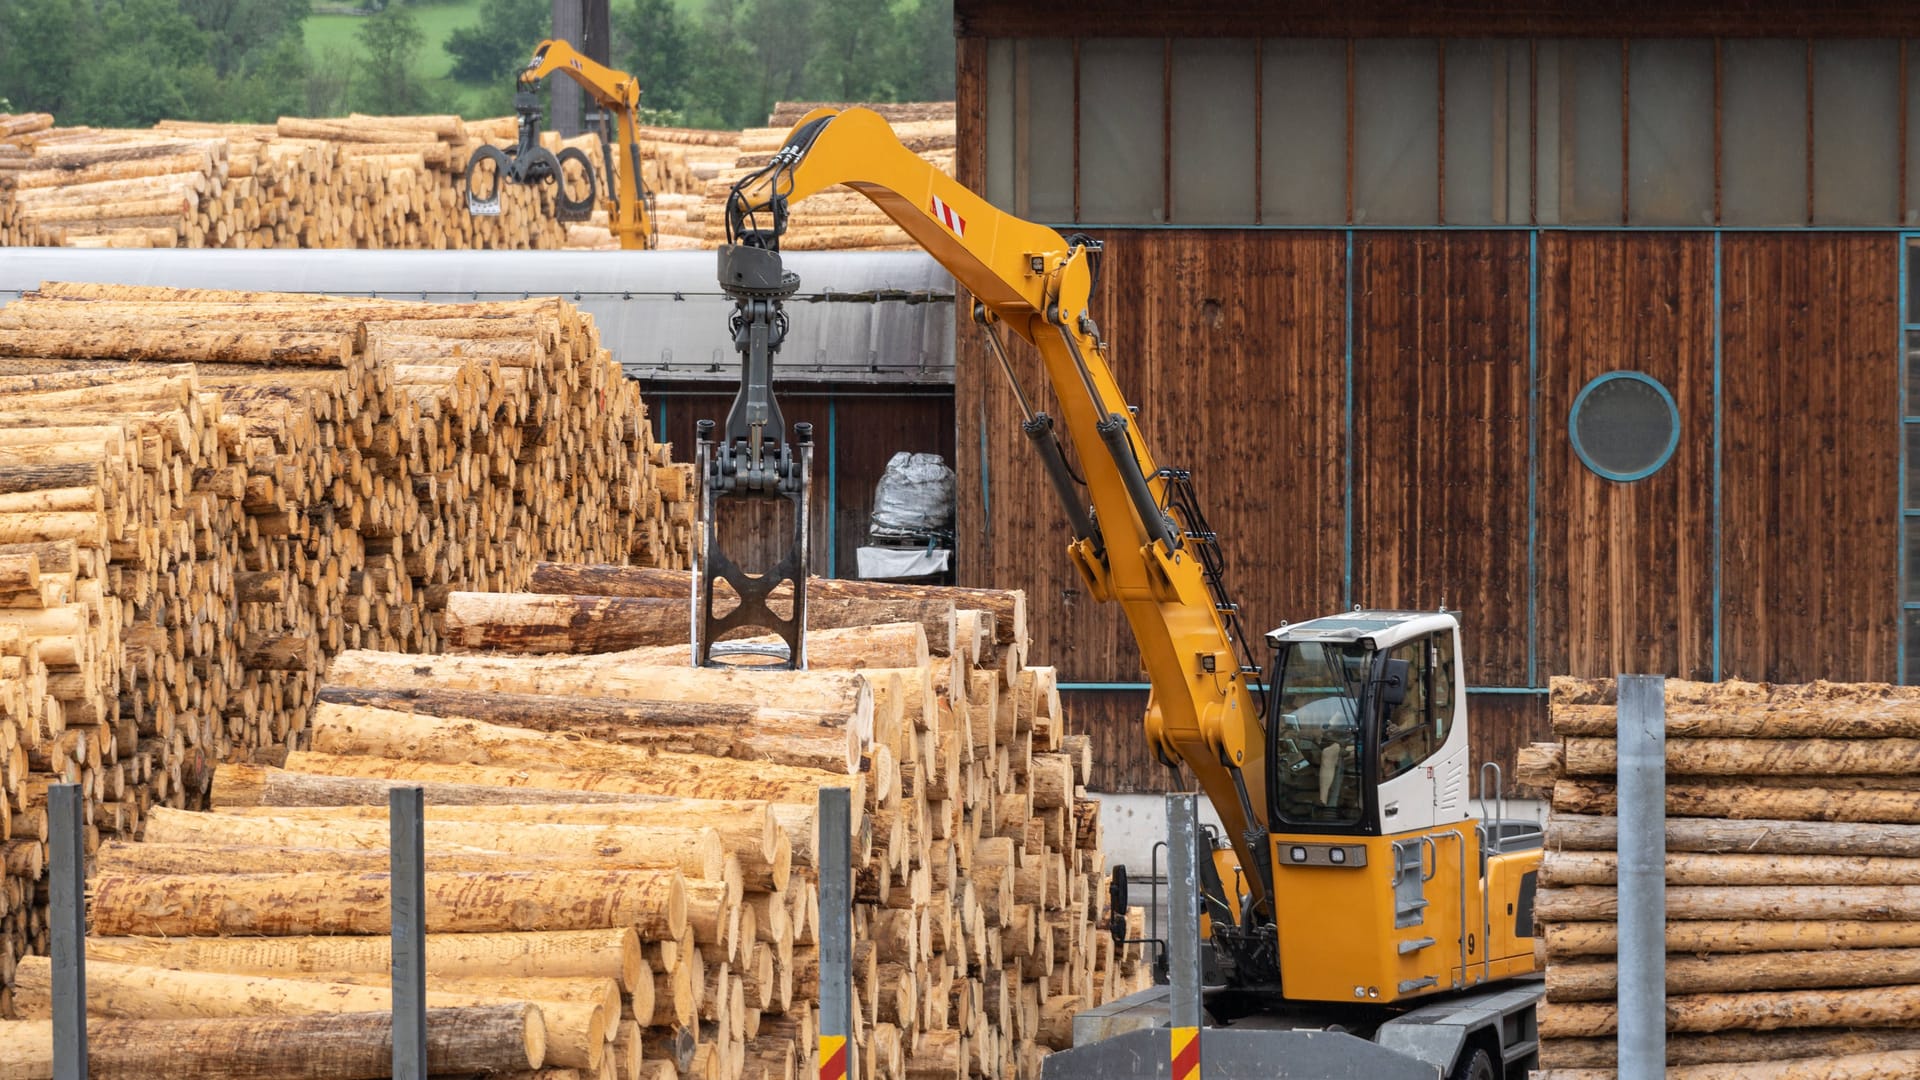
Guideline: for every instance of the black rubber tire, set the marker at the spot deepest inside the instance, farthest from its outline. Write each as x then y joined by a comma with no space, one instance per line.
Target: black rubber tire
1475,1064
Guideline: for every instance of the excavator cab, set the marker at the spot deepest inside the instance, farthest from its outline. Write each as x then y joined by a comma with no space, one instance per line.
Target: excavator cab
1386,888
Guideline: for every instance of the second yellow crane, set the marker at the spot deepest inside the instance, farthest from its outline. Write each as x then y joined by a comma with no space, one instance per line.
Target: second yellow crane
629,204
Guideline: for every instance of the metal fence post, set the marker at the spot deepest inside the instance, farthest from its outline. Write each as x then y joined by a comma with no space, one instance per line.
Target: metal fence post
68,911
407,861
836,934
1183,933
1642,734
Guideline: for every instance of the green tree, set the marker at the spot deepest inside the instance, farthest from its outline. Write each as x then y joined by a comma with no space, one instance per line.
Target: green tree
492,49
41,46
271,83
855,40
922,57
236,28
328,85
152,65
390,45
656,44
781,35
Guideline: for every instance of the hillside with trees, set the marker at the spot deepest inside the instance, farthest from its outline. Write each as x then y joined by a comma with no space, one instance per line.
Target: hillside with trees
703,63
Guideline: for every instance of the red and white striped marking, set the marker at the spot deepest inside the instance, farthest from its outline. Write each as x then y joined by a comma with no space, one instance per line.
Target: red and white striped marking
949,217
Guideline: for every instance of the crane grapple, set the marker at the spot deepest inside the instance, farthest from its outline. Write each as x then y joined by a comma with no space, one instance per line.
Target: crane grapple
752,460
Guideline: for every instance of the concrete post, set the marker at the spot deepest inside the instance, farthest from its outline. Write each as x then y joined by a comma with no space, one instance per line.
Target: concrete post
1643,875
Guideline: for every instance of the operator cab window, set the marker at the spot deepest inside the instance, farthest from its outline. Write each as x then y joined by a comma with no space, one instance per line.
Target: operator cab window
1412,731
1317,763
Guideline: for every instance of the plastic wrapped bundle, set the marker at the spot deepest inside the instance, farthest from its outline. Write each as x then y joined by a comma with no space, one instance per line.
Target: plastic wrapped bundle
914,500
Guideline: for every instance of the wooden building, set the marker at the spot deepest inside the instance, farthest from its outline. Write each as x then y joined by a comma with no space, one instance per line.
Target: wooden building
1584,320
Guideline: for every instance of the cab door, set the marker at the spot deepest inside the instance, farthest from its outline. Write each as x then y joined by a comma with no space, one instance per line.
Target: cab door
1408,736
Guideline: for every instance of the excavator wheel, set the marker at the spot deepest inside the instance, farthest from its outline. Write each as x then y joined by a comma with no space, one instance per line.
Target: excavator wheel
567,208
1475,1064
481,177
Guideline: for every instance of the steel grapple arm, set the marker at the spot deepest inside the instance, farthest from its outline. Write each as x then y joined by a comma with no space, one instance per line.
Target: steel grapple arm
1139,540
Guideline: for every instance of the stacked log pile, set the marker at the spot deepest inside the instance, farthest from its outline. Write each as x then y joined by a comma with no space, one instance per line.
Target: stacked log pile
204,495
838,218
680,804
677,164
357,182
16,151
1793,880
394,182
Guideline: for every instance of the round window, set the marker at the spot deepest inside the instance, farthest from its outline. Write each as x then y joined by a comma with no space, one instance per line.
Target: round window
1625,425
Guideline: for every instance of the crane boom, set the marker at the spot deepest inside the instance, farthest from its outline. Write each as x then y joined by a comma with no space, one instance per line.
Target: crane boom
1143,546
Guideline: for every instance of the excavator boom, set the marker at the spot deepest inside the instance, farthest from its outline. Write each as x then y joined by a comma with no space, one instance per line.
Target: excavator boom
1138,538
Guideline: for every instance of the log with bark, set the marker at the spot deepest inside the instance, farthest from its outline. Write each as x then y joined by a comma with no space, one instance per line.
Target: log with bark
490,1039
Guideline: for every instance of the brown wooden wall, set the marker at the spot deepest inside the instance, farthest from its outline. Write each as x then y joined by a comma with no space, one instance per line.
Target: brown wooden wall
1810,404
1235,343
1630,565
869,430
1408,18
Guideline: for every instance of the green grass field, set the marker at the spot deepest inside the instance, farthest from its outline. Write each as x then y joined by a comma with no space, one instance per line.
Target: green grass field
335,33
437,22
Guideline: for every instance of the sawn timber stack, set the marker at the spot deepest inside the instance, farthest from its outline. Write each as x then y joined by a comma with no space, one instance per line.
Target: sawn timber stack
553,772
1793,880
205,495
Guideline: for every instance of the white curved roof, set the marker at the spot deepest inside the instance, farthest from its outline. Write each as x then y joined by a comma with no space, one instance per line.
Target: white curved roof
860,316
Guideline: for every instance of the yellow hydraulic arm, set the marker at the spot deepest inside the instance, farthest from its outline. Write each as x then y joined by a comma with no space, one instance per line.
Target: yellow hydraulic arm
1144,545
629,202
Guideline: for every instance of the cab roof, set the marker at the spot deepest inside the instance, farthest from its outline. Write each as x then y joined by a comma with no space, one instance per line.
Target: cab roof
1379,629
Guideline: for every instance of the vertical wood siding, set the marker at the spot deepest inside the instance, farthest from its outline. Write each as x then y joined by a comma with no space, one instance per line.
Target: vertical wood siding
1440,436
1234,344
1626,581
1811,457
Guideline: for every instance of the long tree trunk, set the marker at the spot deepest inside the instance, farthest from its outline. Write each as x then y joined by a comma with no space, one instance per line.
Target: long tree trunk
1686,797
748,826
696,852
1009,607
1883,1065
839,633
1733,1046
700,724
338,1046
355,729
1575,939
609,953
773,783
123,857
241,784
576,1032
1566,868
653,902
602,676
1879,1007
1594,902
1597,981
1582,832
1757,757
